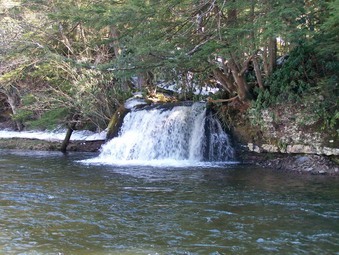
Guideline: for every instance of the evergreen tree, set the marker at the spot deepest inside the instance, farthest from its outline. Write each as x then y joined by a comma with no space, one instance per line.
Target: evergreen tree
87,55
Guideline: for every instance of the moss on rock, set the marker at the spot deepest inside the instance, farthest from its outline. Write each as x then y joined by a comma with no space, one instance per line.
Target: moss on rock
116,122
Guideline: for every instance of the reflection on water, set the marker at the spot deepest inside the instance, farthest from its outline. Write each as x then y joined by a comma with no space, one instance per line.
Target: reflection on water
50,203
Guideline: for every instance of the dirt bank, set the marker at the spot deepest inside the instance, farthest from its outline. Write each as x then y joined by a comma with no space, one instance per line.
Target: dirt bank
34,144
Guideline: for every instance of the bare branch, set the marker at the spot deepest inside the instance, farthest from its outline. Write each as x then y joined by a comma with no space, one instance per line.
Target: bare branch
210,100
197,48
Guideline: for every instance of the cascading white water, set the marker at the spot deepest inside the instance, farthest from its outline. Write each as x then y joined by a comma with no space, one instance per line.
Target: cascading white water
217,142
174,134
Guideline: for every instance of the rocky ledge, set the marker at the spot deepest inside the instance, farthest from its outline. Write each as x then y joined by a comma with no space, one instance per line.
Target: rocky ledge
294,148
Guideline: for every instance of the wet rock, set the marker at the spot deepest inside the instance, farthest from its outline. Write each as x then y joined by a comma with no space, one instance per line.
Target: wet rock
260,240
116,122
302,159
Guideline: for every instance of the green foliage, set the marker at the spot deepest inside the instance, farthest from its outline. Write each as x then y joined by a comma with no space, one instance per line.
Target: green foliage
28,99
50,119
325,105
22,115
72,60
296,76
282,146
328,37
306,79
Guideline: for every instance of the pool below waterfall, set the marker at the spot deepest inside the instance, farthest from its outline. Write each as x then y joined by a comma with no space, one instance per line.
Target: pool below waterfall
52,203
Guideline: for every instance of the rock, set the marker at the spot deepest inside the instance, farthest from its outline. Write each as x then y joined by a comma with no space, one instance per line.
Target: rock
302,159
298,148
282,59
133,102
250,146
294,148
116,122
270,148
330,151
260,240
311,164
255,148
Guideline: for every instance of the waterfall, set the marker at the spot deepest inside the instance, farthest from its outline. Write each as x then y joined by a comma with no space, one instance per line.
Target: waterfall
168,133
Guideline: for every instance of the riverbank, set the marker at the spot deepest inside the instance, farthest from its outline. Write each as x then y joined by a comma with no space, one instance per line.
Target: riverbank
35,144
287,137
298,163
308,164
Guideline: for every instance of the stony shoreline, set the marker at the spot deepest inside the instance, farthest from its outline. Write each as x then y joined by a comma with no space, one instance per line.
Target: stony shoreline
295,163
308,164
305,164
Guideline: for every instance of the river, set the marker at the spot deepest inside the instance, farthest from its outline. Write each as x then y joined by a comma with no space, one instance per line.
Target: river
51,203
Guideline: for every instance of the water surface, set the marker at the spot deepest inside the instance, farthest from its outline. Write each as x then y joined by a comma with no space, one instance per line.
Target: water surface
51,203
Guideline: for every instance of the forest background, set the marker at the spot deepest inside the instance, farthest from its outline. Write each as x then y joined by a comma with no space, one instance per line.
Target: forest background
74,62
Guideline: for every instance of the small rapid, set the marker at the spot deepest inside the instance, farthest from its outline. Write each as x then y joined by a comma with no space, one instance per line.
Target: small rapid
168,135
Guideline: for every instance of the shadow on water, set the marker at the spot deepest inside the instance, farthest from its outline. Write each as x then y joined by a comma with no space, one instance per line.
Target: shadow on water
51,203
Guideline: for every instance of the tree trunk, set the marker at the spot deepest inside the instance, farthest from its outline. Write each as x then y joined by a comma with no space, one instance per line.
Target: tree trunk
65,142
225,81
13,101
244,94
242,87
266,62
254,48
258,72
272,54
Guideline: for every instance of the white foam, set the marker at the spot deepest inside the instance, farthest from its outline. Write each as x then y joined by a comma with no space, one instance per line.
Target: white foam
134,101
164,163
